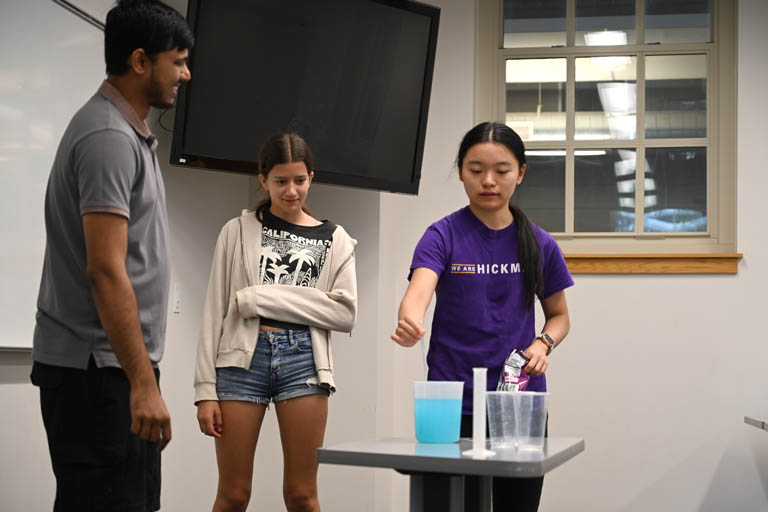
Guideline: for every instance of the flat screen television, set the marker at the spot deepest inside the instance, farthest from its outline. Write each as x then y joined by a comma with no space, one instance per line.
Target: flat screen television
353,77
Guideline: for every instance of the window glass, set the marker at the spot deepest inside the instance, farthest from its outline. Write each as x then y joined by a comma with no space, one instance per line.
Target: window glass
534,23
541,195
535,98
606,98
675,96
601,23
675,190
677,21
604,190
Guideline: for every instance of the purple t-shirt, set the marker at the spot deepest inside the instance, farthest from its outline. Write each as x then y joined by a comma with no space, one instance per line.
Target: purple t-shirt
480,313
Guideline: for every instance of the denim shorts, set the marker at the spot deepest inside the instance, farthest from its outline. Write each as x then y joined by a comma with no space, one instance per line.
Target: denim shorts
282,368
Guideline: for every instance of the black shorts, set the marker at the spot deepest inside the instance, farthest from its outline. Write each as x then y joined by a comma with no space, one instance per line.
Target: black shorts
99,465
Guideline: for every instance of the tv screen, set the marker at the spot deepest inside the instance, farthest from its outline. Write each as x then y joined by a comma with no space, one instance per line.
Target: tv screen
352,77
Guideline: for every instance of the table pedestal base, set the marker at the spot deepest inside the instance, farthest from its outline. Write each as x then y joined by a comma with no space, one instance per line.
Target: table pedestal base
436,492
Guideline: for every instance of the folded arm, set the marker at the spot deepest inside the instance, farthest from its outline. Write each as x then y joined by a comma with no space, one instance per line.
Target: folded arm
334,310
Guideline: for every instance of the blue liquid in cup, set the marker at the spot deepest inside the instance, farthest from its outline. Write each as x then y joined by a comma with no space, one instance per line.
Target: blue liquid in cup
438,420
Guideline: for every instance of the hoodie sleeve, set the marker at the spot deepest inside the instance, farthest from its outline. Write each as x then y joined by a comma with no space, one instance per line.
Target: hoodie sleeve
214,311
334,310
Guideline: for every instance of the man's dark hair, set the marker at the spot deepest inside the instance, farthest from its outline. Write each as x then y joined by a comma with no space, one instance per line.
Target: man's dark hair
147,24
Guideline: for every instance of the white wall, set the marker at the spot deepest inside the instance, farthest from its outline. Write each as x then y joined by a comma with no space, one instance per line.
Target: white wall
26,480
658,395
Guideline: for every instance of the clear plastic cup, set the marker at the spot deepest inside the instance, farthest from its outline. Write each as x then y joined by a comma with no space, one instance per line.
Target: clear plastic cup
437,410
502,428
517,419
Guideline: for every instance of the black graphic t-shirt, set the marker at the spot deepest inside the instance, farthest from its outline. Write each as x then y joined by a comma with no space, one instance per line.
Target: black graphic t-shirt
292,255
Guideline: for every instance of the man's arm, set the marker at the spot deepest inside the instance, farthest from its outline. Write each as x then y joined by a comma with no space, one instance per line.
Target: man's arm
106,241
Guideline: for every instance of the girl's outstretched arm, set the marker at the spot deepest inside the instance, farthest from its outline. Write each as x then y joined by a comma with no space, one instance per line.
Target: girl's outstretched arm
413,307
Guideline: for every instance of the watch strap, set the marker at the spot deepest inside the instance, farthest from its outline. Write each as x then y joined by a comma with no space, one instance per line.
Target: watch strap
546,338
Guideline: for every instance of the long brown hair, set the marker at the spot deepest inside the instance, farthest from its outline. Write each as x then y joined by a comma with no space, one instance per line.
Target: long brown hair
281,148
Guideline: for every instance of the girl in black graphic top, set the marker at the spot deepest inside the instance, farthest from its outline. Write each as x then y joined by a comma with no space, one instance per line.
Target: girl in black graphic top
280,282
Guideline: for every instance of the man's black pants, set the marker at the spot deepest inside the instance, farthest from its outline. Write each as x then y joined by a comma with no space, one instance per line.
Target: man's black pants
99,465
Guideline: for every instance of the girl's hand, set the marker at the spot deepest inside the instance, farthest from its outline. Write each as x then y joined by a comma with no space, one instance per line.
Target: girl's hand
209,418
408,332
415,302
537,353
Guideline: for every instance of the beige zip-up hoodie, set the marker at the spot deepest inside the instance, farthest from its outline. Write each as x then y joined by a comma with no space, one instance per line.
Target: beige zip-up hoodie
228,335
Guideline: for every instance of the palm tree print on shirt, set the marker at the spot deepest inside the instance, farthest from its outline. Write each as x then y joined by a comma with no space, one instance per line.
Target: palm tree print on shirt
268,254
277,271
302,256
289,258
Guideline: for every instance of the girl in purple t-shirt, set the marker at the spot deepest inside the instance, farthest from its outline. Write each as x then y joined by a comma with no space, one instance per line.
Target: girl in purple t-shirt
487,264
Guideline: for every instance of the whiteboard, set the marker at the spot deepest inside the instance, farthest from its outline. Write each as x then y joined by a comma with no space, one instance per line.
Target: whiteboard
51,63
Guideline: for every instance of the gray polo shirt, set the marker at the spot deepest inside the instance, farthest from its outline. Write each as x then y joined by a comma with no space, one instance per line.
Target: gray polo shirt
105,162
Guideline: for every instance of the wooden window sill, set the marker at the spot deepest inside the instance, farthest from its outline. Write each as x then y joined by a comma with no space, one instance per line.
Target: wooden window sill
653,263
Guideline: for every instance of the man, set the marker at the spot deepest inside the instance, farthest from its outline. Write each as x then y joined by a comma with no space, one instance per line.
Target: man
101,310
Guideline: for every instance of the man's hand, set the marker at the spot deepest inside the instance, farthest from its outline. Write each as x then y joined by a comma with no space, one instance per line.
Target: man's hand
537,353
209,417
150,419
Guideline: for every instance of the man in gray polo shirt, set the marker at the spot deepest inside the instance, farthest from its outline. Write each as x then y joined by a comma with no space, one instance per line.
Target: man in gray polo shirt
101,311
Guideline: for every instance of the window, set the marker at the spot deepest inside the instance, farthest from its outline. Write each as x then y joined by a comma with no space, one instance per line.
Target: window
627,110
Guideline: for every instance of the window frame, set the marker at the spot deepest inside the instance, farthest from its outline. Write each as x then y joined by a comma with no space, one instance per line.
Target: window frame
720,140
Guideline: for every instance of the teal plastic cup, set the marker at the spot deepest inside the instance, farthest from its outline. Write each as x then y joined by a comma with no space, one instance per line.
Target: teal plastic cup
437,410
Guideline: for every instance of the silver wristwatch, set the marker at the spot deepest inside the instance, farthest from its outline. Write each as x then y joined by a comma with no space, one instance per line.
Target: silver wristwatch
546,338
